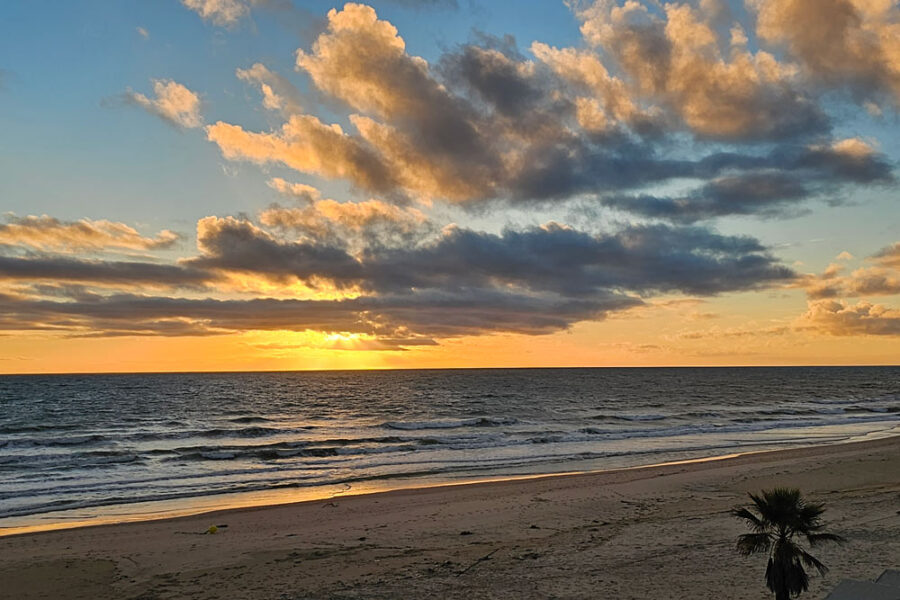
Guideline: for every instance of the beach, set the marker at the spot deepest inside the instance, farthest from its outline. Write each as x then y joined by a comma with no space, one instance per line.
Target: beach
654,532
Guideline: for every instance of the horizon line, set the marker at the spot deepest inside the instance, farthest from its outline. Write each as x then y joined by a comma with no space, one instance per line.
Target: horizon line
489,368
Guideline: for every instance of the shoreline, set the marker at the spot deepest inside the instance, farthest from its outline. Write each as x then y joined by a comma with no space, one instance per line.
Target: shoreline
268,500
576,536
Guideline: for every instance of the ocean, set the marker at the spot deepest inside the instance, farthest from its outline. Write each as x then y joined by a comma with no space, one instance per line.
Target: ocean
97,448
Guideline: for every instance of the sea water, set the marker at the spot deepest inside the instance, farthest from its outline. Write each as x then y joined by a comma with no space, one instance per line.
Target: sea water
78,448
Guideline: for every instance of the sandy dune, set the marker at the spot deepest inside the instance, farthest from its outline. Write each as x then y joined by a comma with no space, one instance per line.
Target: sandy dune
659,532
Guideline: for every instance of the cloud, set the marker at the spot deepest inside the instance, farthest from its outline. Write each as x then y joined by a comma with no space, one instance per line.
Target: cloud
433,144
850,159
60,268
841,319
675,60
851,43
416,137
47,233
352,343
428,285
761,193
641,259
737,333
238,245
173,102
278,93
883,279
507,83
441,315
873,281
485,124
300,192
548,259
768,186
611,101
306,144
357,224
225,13
889,256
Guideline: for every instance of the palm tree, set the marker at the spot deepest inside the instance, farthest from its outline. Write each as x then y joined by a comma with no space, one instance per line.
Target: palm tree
781,520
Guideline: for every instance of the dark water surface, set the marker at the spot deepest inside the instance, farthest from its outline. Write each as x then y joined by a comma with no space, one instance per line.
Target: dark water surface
85,446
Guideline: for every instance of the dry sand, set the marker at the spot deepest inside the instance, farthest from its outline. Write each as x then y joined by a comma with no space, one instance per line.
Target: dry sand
657,532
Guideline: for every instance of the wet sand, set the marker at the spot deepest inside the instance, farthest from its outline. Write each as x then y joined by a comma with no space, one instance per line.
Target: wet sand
655,532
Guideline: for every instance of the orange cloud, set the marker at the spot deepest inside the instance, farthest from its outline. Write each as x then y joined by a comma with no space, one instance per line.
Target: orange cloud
48,233
278,93
889,257
220,12
880,280
362,61
298,191
352,223
306,144
839,318
611,100
678,61
173,102
839,42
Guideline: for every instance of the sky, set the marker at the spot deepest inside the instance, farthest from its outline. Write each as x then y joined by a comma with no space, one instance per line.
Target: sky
205,185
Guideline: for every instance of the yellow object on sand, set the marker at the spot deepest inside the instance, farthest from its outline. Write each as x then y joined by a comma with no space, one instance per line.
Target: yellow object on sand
212,529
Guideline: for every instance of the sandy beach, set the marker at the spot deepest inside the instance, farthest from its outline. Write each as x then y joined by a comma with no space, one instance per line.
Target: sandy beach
656,532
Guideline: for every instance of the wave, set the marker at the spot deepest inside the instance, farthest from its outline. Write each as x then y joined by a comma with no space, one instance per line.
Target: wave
633,418
454,424
149,436
250,419
349,447
406,470
872,409
77,440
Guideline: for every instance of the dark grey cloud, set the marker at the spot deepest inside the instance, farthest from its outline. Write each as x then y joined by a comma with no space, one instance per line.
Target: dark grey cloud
238,245
841,163
417,317
59,268
765,194
640,259
494,72
550,259
463,282
767,185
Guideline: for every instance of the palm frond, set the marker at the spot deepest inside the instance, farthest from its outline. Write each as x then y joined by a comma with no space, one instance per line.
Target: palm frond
753,543
755,522
812,561
808,518
763,507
